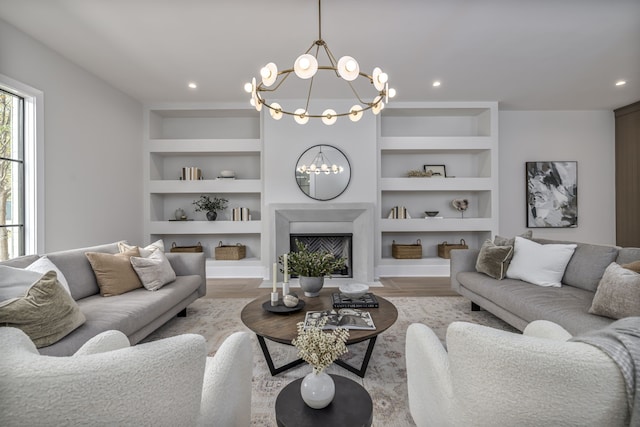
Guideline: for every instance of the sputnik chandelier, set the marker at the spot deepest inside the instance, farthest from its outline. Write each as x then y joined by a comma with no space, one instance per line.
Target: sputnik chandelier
320,164
306,66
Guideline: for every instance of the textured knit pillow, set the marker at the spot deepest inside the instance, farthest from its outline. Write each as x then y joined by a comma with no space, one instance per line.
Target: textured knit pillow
46,313
618,293
154,271
114,272
542,265
492,260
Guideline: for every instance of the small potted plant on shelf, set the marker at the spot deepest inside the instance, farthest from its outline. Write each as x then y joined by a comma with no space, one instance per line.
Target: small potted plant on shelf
210,205
311,267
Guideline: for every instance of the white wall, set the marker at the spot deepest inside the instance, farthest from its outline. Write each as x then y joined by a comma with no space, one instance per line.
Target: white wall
93,153
587,137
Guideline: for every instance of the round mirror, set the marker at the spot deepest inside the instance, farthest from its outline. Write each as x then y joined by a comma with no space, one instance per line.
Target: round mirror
323,172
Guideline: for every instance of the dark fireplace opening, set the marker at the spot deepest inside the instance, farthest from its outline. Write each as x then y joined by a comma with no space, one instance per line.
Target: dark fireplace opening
340,245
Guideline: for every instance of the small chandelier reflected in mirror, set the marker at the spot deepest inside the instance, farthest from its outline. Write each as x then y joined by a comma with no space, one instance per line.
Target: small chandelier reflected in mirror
306,66
320,164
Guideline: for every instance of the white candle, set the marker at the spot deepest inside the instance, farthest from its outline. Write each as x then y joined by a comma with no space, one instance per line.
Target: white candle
286,268
275,276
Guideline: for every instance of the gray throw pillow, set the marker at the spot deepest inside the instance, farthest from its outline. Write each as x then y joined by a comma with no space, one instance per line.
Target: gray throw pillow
618,293
46,313
493,260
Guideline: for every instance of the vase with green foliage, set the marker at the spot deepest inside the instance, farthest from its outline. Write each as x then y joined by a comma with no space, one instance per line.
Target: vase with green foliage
210,205
311,267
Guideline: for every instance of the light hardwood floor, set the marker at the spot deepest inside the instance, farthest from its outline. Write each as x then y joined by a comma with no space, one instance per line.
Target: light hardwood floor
392,287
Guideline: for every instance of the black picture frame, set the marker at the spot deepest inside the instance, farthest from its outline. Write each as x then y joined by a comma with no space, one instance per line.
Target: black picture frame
551,194
439,171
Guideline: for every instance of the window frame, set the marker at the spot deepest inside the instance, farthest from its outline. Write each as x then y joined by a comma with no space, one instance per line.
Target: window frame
33,157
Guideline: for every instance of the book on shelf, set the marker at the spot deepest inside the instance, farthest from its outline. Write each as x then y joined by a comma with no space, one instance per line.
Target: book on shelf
340,300
347,318
240,214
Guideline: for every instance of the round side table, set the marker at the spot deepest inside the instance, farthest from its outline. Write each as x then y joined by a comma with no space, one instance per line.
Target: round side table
351,407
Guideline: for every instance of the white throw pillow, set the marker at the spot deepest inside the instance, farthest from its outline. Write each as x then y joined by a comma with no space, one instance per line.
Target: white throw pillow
154,271
14,282
43,265
144,252
542,265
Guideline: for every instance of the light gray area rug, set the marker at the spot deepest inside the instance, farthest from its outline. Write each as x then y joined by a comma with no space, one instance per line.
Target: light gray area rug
385,379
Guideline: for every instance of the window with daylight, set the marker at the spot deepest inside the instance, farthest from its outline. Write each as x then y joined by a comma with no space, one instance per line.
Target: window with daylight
20,150
11,176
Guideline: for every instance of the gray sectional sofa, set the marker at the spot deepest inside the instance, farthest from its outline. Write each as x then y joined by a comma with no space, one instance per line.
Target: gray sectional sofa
136,313
519,303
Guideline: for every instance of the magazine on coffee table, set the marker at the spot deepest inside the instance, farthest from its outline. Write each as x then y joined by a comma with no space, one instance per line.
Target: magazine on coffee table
347,318
340,300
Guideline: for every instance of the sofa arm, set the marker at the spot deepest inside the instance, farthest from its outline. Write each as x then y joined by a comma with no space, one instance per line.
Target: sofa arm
226,391
188,264
430,389
462,260
546,329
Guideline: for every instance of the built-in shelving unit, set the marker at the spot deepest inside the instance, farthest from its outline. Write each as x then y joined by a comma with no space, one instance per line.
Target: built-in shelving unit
464,138
212,138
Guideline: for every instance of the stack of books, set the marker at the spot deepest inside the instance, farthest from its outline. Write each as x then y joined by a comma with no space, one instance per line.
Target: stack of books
399,212
340,300
240,214
191,174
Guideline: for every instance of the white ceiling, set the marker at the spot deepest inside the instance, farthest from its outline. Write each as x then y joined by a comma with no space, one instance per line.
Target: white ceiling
526,54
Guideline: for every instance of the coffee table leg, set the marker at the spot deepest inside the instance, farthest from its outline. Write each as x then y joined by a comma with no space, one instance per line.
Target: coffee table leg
365,362
275,371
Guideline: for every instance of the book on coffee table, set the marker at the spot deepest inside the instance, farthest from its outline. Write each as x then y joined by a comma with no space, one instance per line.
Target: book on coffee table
347,318
340,300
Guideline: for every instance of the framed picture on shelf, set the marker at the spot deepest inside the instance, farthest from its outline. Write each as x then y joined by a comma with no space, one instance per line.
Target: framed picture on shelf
552,194
437,171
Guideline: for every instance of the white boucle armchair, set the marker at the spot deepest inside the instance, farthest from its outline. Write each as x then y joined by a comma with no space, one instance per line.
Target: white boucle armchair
490,377
169,382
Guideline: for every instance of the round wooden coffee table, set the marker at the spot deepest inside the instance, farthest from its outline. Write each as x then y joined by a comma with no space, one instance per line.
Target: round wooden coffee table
282,327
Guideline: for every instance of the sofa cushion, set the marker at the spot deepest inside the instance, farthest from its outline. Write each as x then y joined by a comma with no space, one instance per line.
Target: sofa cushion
492,259
46,313
628,255
542,265
154,271
77,269
128,313
567,306
114,272
587,265
618,294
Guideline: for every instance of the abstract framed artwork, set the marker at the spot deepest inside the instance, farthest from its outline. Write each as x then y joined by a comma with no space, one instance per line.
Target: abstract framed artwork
552,194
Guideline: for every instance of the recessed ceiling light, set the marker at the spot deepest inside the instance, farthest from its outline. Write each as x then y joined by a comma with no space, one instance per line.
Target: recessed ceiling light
621,83
192,85
436,83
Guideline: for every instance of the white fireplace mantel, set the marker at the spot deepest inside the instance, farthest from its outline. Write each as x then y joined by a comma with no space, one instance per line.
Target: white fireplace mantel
354,218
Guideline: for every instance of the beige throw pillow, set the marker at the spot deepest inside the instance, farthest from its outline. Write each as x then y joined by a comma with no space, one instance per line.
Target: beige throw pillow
114,272
618,293
154,271
493,260
46,313
633,266
144,252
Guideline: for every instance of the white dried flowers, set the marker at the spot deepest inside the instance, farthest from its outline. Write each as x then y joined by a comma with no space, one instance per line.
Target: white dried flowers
320,348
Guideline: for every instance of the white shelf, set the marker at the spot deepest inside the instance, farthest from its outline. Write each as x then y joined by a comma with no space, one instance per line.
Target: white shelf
205,186
436,225
204,227
462,136
203,146
436,184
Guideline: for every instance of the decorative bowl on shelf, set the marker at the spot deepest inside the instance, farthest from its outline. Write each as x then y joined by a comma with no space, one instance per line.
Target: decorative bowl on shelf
431,213
354,290
227,174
